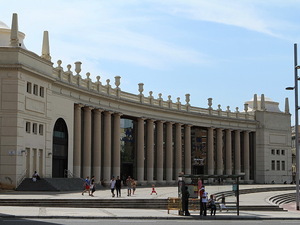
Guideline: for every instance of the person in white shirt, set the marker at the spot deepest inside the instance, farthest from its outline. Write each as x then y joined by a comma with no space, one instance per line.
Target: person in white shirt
112,186
204,201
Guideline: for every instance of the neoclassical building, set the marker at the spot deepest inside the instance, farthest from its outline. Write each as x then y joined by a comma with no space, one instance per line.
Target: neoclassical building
61,123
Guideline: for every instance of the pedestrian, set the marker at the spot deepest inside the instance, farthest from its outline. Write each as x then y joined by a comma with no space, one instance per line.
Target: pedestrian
93,186
185,200
118,186
35,176
203,206
153,190
112,186
212,205
133,185
129,185
86,185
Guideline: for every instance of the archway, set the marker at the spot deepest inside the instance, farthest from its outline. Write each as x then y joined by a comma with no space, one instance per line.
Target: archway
60,148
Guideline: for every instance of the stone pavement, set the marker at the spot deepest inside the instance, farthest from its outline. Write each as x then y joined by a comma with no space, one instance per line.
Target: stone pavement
144,193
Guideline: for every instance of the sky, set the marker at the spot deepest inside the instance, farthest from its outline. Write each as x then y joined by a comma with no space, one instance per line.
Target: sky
227,50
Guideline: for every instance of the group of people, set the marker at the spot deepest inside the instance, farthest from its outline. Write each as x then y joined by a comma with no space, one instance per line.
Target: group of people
205,202
89,186
116,184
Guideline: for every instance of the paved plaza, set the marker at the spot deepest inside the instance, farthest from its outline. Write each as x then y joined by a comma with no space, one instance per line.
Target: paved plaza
260,198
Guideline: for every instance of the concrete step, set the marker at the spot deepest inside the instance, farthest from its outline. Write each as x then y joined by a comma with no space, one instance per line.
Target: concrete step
91,203
51,184
118,203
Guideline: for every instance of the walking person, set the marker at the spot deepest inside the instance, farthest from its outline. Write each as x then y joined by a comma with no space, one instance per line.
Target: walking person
133,185
129,185
93,186
212,205
112,186
87,184
118,186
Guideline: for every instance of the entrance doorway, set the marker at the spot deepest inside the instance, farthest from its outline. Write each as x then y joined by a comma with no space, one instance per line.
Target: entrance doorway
60,149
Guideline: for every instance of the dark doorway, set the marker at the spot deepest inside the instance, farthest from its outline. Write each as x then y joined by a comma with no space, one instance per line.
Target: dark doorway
60,149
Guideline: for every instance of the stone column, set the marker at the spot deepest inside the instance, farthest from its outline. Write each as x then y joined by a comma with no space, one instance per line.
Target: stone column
77,141
97,145
117,146
246,156
140,150
187,150
178,150
150,150
87,141
107,147
169,153
237,153
228,153
210,151
160,153
220,163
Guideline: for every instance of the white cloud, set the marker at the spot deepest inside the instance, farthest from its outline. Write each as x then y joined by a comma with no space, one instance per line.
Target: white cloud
248,14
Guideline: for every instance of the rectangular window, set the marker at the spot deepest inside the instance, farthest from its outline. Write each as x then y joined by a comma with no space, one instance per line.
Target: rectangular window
42,92
34,128
273,164
41,129
27,127
278,165
282,152
282,165
278,152
29,87
273,151
35,89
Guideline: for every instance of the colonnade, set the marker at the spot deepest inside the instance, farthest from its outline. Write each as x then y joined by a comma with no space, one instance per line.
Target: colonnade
150,152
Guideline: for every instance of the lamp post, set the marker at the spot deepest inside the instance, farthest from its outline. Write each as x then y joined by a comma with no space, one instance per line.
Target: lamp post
295,88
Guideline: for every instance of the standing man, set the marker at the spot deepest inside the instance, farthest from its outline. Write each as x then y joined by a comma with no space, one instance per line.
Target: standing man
112,186
118,186
129,185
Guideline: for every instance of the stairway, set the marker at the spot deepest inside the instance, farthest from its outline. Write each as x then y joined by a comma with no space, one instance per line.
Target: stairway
51,184
90,203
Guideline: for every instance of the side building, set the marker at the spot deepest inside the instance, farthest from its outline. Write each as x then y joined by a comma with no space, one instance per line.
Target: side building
56,122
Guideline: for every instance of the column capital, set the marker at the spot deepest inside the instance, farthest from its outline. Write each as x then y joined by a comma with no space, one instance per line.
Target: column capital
88,108
151,120
118,114
97,110
178,124
160,121
188,125
78,105
141,118
107,112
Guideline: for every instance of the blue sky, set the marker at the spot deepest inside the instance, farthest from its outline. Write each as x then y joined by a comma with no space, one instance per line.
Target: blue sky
228,50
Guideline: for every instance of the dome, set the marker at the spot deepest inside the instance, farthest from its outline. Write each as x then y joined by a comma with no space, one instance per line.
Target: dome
5,36
270,105
3,25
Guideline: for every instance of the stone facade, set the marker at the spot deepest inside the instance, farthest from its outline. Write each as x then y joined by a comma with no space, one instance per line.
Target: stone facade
57,122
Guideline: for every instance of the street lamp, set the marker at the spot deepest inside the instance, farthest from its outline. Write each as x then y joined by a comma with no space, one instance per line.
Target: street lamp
295,88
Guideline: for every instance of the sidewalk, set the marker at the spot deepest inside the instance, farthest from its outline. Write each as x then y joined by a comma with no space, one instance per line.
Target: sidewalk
143,193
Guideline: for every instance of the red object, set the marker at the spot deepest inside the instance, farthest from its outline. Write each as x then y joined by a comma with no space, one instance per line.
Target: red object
153,190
